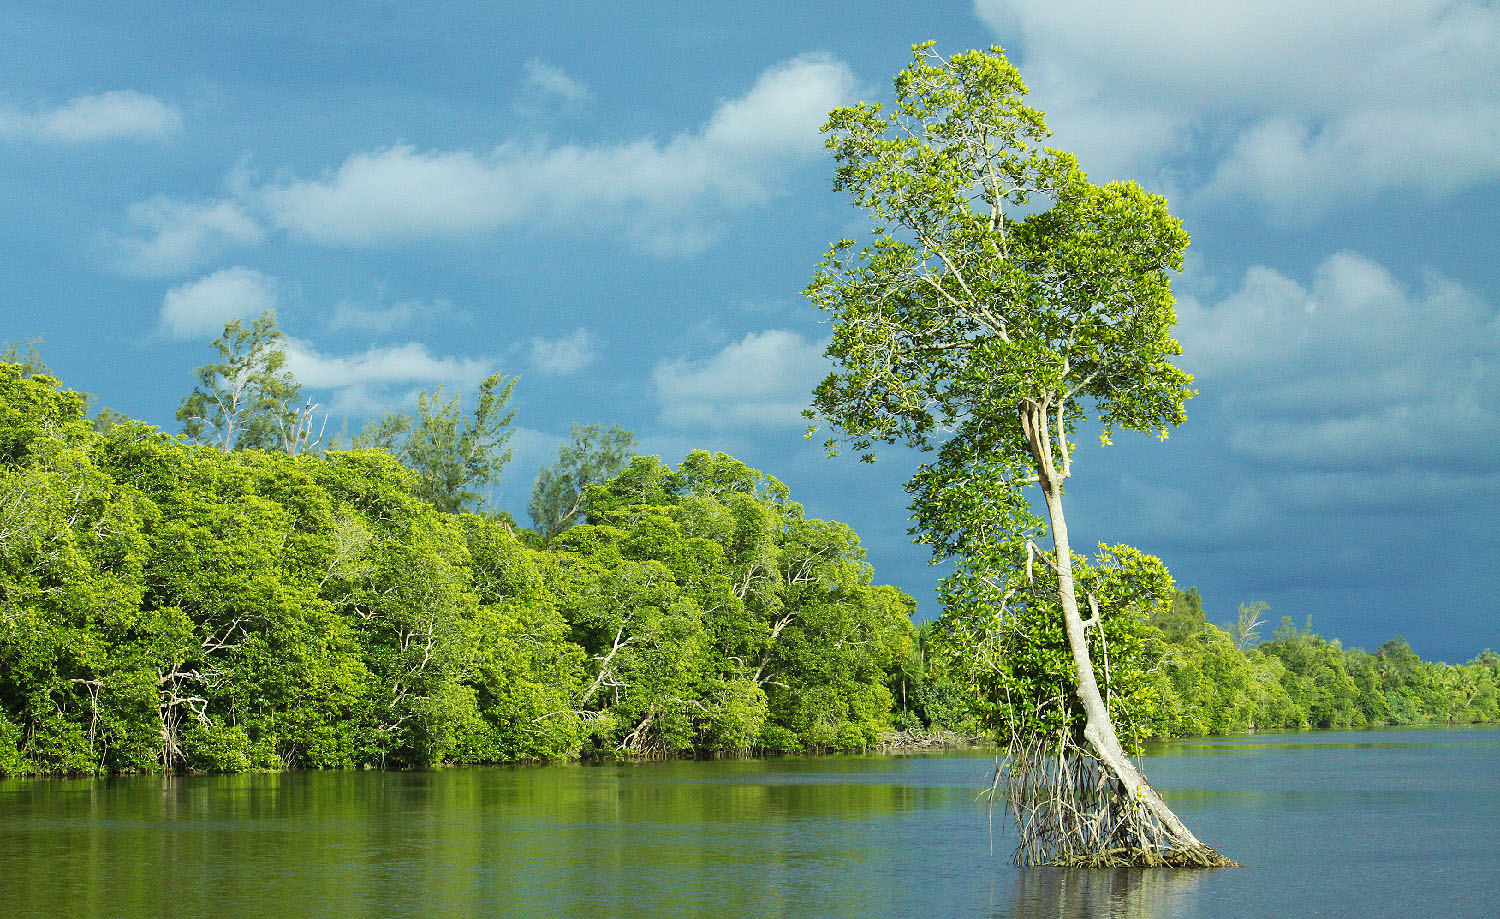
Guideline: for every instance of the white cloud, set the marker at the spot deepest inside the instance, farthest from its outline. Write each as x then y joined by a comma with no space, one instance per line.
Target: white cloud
116,115
1258,54
666,196
546,84
395,194
1308,104
382,320
1354,378
395,364
563,355
763,380
177,236
378,379
202,307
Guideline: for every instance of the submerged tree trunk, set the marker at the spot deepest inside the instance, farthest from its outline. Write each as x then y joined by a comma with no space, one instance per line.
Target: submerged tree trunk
1092,806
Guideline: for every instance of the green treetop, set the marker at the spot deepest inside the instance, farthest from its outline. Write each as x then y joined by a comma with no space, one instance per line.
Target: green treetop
25,355
455,456
249,400
593,454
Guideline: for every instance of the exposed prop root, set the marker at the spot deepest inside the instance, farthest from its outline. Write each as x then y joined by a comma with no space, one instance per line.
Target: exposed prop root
1069,811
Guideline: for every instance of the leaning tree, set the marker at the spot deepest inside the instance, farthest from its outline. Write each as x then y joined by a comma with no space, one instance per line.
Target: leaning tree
1000,299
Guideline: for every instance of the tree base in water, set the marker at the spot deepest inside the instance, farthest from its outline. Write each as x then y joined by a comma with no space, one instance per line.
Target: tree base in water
1072,810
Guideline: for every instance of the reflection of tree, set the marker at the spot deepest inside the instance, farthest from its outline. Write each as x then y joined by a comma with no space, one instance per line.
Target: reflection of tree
1103,893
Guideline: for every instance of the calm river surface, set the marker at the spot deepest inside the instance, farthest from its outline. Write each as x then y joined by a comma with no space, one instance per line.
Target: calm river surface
1381,823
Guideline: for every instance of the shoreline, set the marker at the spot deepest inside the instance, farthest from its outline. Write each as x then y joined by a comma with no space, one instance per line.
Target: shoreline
897,743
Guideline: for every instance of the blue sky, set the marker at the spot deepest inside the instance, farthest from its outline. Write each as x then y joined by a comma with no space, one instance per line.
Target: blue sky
622,206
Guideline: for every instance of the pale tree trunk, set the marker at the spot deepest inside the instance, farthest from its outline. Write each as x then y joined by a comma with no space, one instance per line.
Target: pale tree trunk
1099,729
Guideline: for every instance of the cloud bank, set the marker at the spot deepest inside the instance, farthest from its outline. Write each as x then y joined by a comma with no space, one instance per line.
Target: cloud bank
665,196
1354,389
1307,105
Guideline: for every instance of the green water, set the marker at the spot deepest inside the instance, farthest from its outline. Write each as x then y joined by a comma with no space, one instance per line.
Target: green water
1390,823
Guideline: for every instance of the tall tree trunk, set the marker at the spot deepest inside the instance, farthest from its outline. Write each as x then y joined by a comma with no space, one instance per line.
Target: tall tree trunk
1099,729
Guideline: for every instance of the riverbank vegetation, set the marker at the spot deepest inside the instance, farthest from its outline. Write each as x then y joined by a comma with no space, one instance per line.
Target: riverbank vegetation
176,606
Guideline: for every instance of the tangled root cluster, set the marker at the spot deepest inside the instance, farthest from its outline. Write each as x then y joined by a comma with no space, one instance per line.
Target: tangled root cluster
1070,811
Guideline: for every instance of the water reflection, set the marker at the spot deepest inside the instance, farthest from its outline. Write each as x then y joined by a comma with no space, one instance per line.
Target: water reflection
753,838
1341,832
1104,893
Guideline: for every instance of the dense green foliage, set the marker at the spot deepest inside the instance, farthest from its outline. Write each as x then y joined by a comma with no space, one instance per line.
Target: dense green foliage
1298,680
171,606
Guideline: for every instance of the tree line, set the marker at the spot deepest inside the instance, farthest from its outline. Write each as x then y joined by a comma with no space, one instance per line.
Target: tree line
223,601
1186,676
